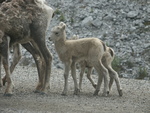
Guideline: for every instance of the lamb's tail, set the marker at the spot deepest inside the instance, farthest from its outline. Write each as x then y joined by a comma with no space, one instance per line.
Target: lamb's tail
104,45
111,51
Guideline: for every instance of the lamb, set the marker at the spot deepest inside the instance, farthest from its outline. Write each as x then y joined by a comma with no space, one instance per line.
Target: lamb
106,61
71,51
26,22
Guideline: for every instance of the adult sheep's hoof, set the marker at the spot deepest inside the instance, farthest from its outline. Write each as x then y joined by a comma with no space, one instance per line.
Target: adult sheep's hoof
120,92
95,92
77,92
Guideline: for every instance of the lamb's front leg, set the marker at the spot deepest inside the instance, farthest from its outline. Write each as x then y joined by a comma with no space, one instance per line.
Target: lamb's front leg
73,73
66,73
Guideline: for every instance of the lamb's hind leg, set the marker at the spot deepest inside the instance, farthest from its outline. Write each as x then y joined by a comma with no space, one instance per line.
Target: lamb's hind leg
89,77
114,75
81,77
102,72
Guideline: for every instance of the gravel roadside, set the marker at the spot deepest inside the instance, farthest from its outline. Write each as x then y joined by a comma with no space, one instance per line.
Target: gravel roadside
136,98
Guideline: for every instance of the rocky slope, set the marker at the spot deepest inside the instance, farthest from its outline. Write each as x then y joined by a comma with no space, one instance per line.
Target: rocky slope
123,25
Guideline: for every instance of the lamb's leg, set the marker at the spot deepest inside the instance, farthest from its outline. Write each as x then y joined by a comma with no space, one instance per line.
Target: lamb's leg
81,77
89,77
38,60
73,73
114,75
16,58
102,72
66,73
1,84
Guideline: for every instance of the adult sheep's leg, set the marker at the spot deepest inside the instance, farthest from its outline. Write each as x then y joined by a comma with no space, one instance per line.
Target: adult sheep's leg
73,73
5,54
46,62
81,77
38,60
89,77
66,73
16,58
102,72
1,84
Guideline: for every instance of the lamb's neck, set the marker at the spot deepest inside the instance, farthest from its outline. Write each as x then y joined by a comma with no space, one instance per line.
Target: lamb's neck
60,44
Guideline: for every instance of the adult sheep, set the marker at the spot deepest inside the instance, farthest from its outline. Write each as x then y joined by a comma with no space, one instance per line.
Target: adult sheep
26,22
71,51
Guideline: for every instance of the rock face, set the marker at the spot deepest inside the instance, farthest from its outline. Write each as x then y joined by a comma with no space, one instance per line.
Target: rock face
123,25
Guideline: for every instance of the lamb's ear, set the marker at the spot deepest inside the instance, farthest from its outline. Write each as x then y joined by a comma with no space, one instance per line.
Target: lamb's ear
63,26
61,23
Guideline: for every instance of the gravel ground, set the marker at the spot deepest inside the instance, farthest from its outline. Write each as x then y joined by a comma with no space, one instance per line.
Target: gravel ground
136,98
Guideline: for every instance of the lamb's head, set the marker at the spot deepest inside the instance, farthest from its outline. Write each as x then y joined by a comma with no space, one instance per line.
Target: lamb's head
1,36
58,32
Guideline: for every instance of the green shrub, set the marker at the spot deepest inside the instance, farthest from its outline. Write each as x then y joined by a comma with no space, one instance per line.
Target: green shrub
142,73
62,17
116,64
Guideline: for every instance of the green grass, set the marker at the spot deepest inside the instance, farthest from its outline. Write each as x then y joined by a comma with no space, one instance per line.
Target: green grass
142,73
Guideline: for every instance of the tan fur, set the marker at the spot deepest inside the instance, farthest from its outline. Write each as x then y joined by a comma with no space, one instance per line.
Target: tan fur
106,61
71,51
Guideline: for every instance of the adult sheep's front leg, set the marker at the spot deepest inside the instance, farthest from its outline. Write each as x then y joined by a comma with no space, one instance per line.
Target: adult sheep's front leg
66,73
73,73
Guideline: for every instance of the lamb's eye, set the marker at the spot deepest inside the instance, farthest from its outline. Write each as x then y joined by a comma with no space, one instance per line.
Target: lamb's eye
56,33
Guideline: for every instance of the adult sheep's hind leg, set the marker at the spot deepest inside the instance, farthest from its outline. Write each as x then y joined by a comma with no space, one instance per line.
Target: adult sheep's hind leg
1,83
46,64
102,72
38,60
16,58
5,54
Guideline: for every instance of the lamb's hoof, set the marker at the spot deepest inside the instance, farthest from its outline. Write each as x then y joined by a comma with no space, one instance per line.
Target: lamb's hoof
95,85
120,92
105,94
8,94
96,93
36,91
77,92
40,92
63,94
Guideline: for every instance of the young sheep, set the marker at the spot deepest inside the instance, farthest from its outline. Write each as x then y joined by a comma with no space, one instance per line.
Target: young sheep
106,61
71,51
